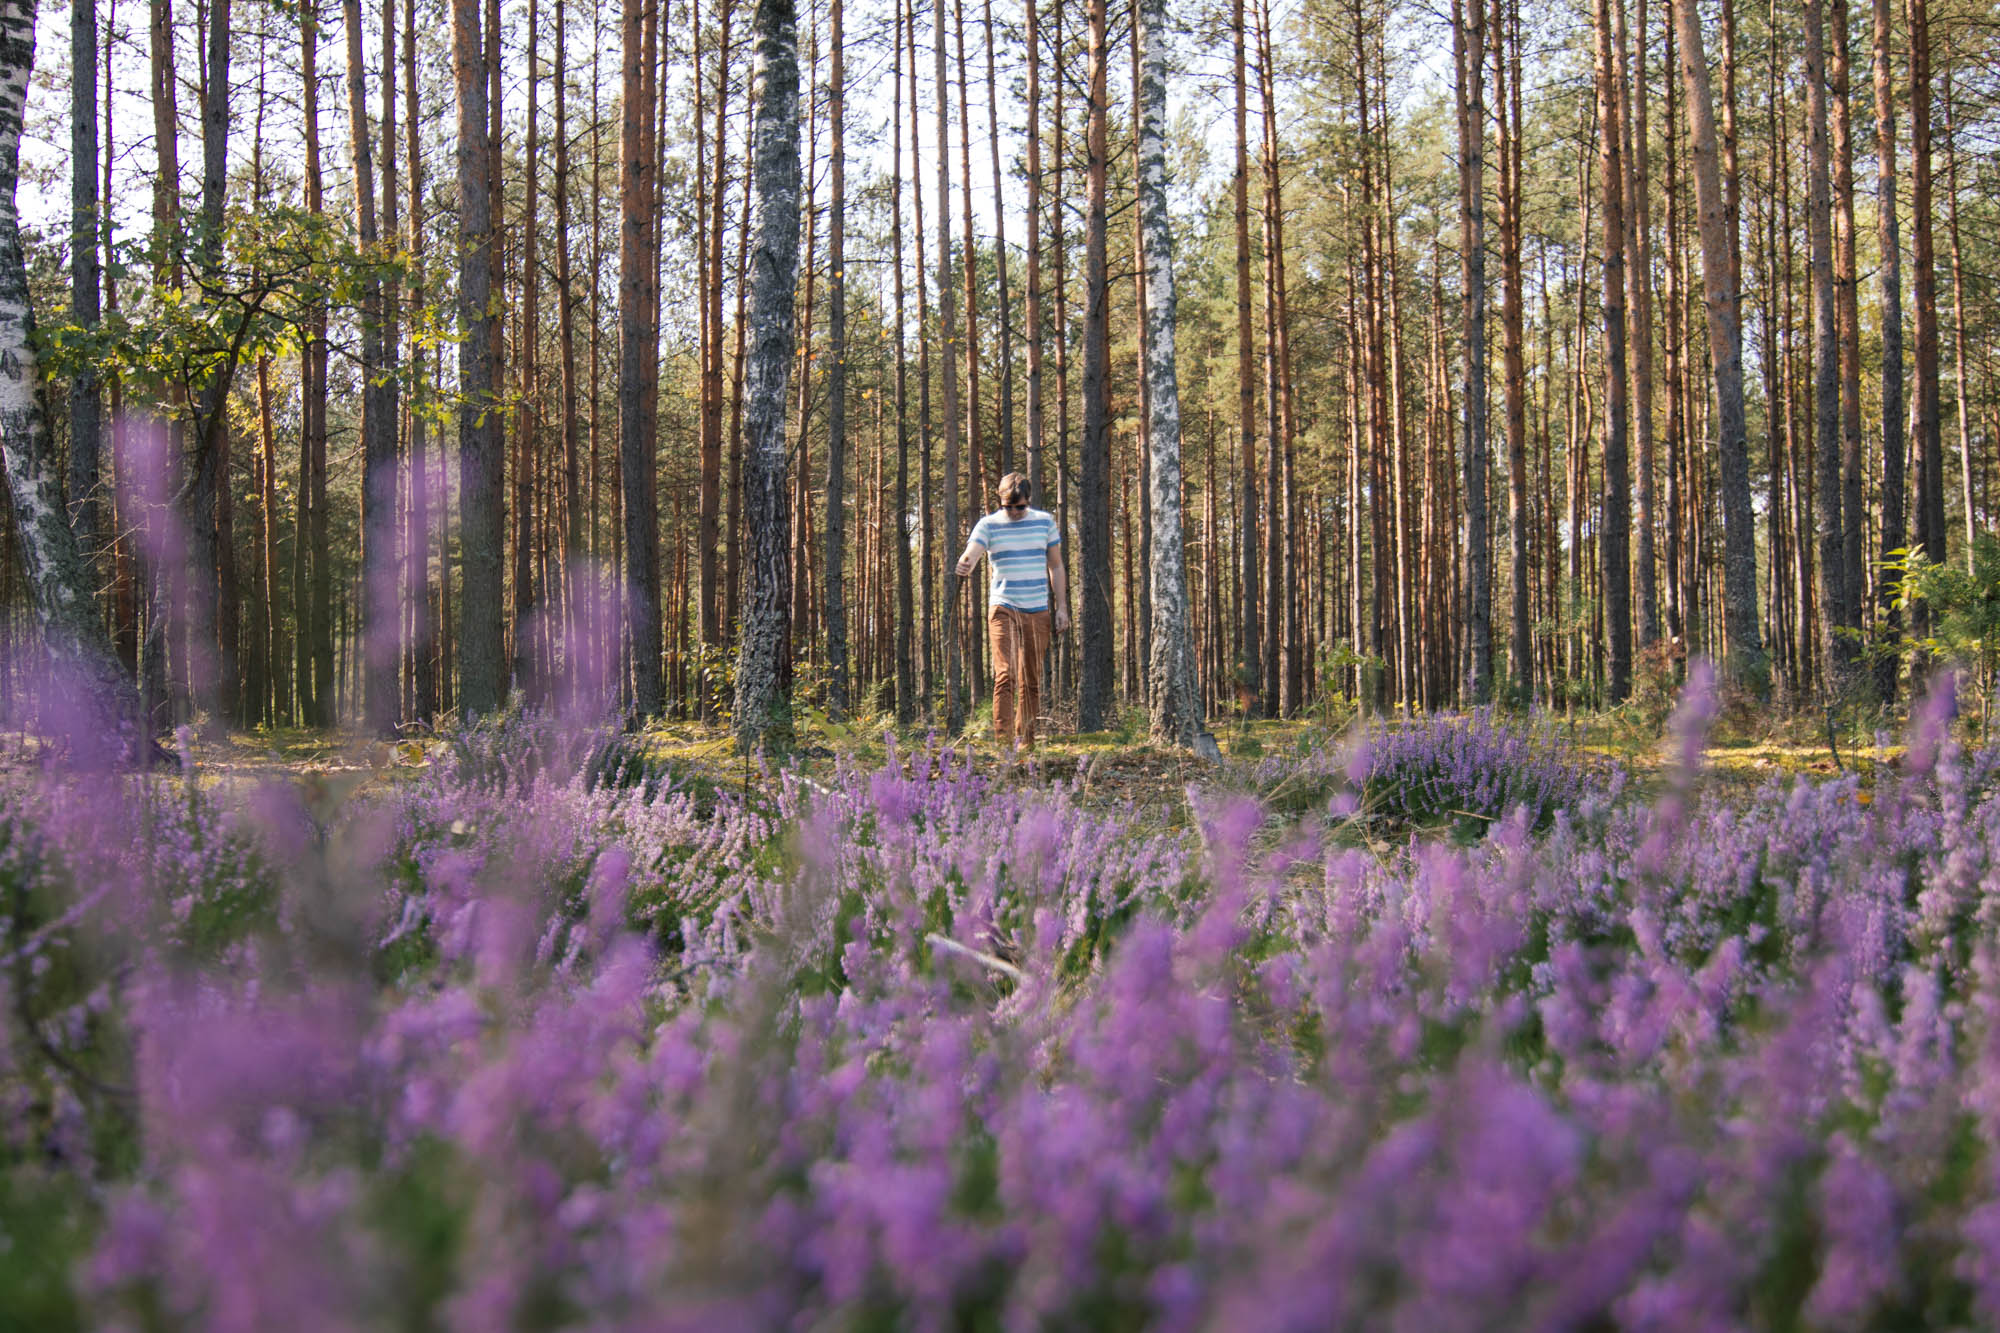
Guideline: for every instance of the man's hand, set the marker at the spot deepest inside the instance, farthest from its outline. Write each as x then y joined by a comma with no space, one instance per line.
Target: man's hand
1062,621
965,564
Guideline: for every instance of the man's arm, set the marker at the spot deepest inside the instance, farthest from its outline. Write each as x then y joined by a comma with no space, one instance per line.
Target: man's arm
1058,589
974,548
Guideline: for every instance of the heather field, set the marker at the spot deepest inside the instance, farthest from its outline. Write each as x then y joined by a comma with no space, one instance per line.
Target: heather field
1438,1026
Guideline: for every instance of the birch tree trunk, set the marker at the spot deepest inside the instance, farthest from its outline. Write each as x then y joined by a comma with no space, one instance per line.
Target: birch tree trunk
762,664
1746,662
52,559
1170,683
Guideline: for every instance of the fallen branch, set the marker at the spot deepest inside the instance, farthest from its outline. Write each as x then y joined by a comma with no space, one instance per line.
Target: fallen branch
986,960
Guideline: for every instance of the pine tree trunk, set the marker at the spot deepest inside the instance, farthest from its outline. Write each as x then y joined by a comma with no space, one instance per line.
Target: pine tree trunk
636,338
379,566
1249,646
905,648
1615,522
1887,232
85,428
1826,354
832,583
762,668
954,707
1746,660
1094,690
1928,447
480,646
1469,49
211,591
1507,95
713,614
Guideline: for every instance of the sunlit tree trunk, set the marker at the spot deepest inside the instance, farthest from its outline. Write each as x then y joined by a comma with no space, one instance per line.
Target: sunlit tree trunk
1171,694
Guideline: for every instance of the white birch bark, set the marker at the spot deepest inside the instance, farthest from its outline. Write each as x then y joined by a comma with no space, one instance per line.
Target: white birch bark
1170,683
96,694
763,657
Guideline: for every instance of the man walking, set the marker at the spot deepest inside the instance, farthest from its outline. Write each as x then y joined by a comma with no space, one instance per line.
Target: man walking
1027,582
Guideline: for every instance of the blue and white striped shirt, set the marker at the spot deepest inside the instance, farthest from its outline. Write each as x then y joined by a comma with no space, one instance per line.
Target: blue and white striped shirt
1018,548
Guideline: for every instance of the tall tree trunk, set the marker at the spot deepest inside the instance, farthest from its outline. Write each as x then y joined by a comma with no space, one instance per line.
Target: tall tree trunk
1826,354
954,707
1639,278
1033,313
1507,96
1615,523
905,649
1746,661
836,386
85,430
1094,690
425,634
1171,693
713,614
1928,447
1887,232
1005,332
762,667
636,344
1469,51
527,623
571,424
211,591
480,642
379,566
1249,647
1959,366
99,698
1847,322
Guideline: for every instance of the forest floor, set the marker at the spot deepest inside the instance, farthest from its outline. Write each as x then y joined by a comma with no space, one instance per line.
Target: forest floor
1116,768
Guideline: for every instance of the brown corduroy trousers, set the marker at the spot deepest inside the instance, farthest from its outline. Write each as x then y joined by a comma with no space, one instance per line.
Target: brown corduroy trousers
1020,640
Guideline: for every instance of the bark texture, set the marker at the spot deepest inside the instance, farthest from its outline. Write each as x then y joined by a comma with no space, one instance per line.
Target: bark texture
97,694
1746,662
1170,680
763,660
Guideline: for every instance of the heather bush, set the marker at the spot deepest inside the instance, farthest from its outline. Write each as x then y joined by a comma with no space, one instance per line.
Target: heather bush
1462,773
905,1047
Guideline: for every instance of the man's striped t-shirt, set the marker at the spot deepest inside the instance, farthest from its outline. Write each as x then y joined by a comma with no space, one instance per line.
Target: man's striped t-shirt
1018,548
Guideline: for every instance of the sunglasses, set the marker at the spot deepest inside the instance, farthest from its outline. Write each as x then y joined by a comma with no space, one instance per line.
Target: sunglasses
1010,508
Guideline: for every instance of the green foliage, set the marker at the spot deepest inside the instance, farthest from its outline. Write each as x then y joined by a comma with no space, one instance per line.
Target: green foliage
1962,606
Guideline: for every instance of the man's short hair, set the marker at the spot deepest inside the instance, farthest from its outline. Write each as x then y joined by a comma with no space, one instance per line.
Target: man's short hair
1014,489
